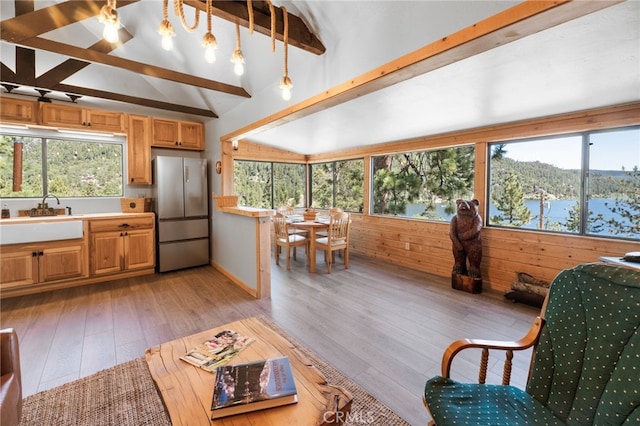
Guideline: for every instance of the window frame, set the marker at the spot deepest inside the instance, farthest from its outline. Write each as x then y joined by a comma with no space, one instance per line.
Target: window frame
584,175
47,135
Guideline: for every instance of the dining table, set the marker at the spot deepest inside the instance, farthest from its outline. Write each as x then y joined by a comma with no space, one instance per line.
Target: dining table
312,227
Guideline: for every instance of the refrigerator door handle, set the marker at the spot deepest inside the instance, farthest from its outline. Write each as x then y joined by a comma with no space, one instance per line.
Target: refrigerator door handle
186,173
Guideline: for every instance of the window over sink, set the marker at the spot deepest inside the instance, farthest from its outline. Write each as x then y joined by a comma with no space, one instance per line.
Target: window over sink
68,165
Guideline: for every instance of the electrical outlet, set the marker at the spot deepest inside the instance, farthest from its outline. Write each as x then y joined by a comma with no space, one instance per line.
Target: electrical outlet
406,246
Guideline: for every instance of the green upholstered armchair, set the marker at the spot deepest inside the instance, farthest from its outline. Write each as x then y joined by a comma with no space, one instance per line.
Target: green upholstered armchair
586,360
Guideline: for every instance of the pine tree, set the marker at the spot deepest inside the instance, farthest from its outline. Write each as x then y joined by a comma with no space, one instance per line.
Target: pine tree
510,202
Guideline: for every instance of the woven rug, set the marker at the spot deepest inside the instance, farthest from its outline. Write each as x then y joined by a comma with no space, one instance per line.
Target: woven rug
125,395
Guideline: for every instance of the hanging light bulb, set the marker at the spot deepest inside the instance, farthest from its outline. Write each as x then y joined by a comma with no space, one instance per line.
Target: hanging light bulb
237,57
210,45
109,17
285,83
166,29
209,41
286,86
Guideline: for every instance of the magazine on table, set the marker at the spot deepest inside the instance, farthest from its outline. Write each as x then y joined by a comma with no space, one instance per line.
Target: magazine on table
218,350
252,386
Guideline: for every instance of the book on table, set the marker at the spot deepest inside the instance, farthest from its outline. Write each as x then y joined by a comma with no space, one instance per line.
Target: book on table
252,386
218,350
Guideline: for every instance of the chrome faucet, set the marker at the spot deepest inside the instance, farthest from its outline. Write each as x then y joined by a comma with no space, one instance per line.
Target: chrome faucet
44,205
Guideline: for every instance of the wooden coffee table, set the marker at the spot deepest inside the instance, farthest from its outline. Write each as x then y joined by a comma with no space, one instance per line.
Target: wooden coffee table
187,390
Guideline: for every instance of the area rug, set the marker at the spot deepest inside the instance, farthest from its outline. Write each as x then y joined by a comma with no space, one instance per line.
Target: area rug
125,395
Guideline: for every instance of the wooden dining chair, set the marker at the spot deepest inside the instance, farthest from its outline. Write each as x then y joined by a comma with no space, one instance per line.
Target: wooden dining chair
332,211
337,239
287,240
289,211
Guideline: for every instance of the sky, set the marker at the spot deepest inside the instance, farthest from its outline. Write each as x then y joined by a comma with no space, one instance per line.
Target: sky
609,151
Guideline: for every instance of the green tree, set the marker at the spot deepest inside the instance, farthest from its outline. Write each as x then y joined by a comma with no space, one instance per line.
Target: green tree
510,202
425,177
626,207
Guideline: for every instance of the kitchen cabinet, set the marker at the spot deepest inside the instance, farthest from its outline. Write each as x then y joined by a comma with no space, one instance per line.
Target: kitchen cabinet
139,150
18,111
24,265
119,245
178,134
65,116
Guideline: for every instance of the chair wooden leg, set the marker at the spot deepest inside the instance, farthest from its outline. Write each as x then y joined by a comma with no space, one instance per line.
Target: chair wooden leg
294,254
346,258
288,258
327,256
277,254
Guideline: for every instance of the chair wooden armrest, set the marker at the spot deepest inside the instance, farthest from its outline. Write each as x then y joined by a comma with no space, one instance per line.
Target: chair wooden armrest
530,339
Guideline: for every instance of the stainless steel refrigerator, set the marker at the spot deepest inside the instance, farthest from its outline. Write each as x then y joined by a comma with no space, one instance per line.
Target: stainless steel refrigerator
182,212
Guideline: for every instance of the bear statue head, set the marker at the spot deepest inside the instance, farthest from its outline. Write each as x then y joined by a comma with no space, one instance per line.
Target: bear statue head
467,208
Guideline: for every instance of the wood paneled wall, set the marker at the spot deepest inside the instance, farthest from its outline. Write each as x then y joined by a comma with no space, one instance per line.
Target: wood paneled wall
505,252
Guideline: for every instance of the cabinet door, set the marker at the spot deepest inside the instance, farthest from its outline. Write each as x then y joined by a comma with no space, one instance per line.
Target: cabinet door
165,133
62,263
18,268
192,135
107,252
62,116
139,150
17,111
139,249
105,120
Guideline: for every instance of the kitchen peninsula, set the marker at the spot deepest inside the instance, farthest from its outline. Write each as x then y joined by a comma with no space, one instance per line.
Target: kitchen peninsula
53,252
244,247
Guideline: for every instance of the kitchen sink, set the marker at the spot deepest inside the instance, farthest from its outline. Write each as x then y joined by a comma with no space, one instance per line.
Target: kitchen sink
31,232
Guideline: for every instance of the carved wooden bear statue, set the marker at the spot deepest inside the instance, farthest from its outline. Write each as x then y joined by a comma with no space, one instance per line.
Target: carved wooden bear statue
465,235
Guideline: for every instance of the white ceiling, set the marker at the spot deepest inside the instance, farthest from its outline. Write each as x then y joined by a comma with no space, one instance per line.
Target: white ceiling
589,62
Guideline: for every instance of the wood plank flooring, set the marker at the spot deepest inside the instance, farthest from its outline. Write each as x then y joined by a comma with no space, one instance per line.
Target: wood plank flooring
383,326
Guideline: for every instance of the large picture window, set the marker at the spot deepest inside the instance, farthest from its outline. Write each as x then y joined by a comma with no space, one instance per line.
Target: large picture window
586,183
269,185
422,184
338,184
61,166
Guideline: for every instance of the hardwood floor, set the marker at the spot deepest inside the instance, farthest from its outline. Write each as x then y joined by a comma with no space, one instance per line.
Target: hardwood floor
384,326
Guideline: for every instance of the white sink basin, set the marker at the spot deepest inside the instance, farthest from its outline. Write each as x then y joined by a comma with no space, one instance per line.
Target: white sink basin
30,232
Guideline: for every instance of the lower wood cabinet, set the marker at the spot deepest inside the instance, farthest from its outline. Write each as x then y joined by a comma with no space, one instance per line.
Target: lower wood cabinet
31,264
119,245
112,247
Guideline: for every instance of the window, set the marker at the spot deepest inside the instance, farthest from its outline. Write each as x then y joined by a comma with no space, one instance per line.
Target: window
65,167
338,184
586,183
269,185
422,184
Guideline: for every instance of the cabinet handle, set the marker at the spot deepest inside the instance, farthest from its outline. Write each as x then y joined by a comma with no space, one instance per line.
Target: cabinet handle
40,253
125,225
34,254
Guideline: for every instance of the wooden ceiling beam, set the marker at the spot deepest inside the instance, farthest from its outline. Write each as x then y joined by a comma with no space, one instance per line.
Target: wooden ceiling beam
24,30
30,23
237,11
69,67
134,66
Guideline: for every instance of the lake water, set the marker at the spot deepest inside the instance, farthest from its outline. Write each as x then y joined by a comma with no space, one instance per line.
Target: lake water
555,211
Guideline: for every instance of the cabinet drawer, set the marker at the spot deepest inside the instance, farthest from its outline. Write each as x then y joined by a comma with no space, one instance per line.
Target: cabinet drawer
122,224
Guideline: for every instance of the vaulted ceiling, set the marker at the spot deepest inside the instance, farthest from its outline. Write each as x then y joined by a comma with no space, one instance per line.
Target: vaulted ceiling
583,57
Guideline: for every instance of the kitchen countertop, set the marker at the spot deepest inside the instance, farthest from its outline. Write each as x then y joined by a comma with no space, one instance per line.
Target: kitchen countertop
61,218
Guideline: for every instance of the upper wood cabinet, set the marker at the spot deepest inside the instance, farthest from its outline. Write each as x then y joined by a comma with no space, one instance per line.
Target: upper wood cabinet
65,116
18,111
139,150
178,134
